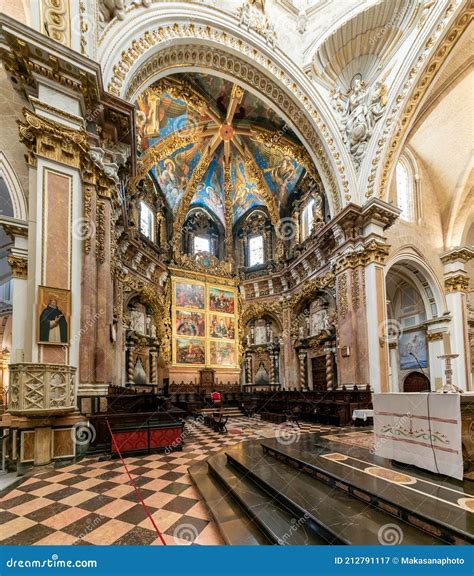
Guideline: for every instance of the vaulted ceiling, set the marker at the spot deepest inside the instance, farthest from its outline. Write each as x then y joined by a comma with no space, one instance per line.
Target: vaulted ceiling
201,135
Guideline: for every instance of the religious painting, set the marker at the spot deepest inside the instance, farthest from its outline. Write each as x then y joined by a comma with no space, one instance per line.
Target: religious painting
190,351
209,192
222,354
189,295
190,323
173,172
158,115
54,311
282,173
244,190
413,350
221,327
221,301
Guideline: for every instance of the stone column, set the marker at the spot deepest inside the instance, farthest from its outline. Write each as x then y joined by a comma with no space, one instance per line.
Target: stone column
277,367
4,360
303,375
272,369
19,287
130,365
395,384
153,367
248,368
87,358
103,372
329,369
456,282
437,335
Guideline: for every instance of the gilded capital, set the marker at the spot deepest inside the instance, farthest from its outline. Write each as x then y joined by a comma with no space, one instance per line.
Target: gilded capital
19,267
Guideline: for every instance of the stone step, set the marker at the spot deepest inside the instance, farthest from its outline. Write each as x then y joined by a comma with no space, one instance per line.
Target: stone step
338,517
277,523
234,525
415,499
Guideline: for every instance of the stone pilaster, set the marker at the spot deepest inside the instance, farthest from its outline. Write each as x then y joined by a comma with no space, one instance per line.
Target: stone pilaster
456,282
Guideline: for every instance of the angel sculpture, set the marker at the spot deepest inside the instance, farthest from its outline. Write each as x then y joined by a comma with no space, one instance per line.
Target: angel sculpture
360,109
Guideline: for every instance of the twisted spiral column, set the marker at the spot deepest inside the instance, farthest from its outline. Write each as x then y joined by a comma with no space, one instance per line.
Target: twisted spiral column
329,370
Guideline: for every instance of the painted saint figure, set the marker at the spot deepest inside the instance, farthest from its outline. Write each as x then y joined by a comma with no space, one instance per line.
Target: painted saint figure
53,325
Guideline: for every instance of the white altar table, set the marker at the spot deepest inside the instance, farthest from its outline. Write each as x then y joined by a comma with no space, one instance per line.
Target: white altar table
422,429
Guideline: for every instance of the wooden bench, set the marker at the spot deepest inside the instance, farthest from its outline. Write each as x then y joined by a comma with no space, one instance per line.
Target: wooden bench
273,417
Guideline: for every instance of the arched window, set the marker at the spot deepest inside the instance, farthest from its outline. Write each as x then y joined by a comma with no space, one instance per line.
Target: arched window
202,244
256,255
307,219
147,221
405,191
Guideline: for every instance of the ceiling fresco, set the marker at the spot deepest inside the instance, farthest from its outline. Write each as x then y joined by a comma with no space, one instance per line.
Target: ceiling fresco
210,191
216,117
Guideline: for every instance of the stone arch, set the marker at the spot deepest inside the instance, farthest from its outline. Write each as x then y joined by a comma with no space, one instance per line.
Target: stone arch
17,195
461,215
155,45
408,262
384,151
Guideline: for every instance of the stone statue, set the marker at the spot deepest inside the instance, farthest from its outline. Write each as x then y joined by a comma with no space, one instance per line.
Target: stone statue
360,109
301,22
318,208
137,322
110,9
252,17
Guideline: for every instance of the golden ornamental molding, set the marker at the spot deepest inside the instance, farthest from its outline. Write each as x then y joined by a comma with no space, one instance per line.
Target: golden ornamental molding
257,178
210,57
310,289
403,121
51,140
56,19
14,230
182,90
161,305
205,264
162,150
197,175
434,336
372,252
457,283
342,299
458,254
229,241
100,232
257,310
19,267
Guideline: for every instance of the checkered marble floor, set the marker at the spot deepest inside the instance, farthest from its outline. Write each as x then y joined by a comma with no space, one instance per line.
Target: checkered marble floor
93,502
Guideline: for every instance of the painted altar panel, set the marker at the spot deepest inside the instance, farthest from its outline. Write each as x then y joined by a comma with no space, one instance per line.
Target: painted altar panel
205,324
222,327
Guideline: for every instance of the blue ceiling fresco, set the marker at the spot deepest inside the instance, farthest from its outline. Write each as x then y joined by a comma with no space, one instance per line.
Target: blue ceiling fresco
159,115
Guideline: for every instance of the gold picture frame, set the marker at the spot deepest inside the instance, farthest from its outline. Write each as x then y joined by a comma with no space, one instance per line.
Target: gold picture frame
53,316
192,335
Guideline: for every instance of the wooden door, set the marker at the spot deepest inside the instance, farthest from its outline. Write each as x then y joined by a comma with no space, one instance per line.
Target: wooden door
416,382
318,368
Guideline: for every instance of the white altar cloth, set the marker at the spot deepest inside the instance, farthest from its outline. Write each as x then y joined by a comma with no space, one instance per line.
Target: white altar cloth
422,429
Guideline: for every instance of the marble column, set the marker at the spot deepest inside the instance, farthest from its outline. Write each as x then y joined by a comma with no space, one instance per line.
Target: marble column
329,370
272,369
130,365
303,376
